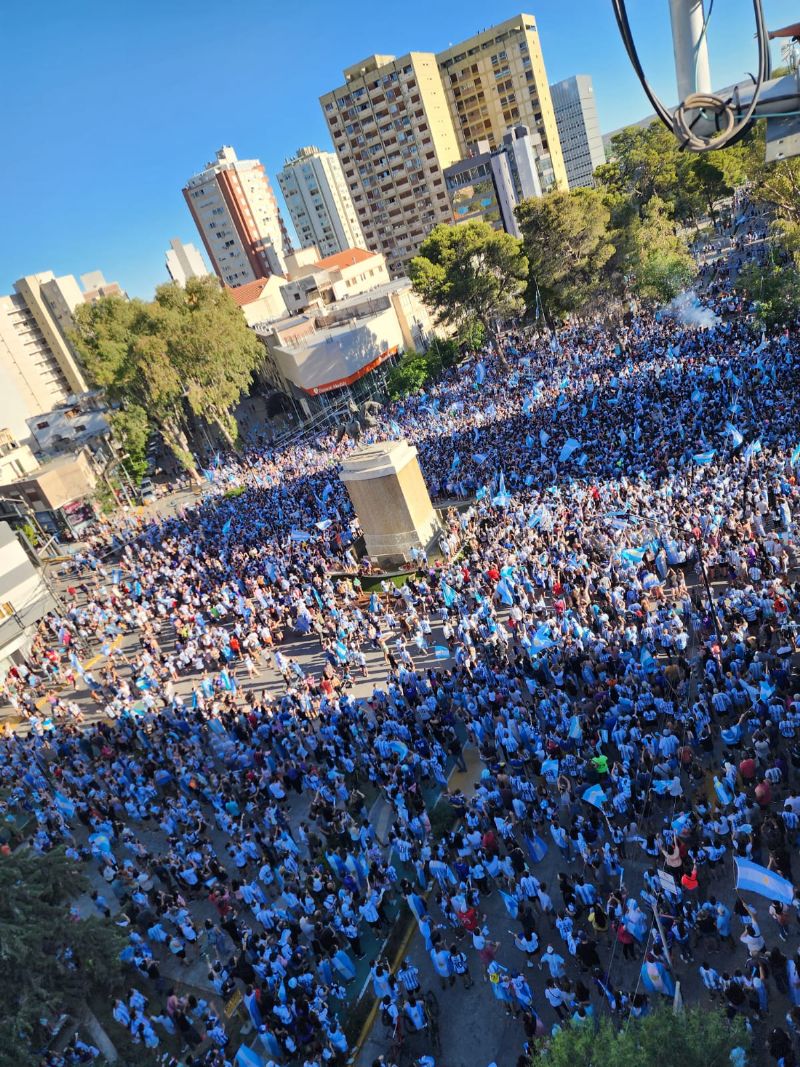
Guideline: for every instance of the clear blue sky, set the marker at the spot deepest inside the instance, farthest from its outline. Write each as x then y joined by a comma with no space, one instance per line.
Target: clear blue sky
108,108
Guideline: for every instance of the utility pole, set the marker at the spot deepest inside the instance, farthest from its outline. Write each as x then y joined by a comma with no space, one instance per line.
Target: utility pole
707,584
690,47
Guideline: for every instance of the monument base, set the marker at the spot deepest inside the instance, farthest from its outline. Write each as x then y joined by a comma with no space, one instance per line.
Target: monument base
391,500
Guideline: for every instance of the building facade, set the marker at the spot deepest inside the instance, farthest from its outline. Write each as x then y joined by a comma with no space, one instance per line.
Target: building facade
95,287
184,262
578,128
38,366
393,135
497,80
237,217
319,203
24,600
489,185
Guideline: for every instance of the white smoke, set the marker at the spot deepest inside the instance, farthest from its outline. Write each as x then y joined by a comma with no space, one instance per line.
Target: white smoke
688,310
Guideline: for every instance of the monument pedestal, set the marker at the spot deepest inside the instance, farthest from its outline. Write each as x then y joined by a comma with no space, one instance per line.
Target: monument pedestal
391,500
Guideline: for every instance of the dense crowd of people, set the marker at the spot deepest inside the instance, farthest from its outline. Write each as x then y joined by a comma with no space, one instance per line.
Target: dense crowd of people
609,619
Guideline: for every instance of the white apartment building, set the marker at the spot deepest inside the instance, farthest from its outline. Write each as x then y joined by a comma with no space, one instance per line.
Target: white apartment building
236,214
184,262
317,199
38,366
578,128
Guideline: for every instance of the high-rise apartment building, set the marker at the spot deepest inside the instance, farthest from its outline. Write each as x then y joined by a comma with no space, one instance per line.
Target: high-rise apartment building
237,216
489,185
497,80
578,128
319,203
184,262
393,135
37,364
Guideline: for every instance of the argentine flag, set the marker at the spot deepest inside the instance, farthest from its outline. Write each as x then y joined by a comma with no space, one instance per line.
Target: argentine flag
633,555
480,373
647,661
441,651
503,590
595,796
511,903
503,497
63,805
570,446
736,437
754,878
703,459
341,651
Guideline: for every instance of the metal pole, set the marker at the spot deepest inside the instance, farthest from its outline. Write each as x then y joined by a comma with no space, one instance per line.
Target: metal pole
664,942
708,587
690,47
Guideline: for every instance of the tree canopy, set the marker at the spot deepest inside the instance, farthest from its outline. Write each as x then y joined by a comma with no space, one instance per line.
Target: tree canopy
186,351
774,292
646,163
49,963
568,244
697,1038
658,259
469,274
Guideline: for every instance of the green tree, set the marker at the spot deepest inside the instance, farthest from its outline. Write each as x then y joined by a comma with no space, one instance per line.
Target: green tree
49,964
646,163
408,375
568,243
774,293
658,261
188,350
696,1038
470,274
131,429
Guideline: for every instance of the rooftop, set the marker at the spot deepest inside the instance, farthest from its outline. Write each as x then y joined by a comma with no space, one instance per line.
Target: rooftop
246,294
349,258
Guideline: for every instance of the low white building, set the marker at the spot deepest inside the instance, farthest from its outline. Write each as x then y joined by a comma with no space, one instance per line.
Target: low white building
24,599
68,428
327,354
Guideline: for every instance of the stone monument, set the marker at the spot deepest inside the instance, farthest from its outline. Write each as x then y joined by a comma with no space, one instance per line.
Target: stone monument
391,500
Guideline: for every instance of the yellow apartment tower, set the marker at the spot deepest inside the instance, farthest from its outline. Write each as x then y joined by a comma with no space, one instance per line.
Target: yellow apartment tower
497,79
392,131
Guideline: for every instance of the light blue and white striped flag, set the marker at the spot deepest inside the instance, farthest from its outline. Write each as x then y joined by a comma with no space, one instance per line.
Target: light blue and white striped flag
754,878
595,796
570,446
703,459
736,436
